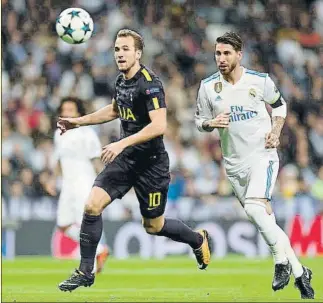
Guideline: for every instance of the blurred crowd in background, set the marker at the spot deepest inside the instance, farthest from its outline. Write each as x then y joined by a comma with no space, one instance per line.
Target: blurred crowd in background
282,37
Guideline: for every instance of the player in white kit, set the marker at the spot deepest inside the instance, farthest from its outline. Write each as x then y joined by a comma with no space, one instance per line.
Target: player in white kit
233,100
77,157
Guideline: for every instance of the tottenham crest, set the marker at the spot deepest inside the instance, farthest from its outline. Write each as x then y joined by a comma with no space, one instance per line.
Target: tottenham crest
218,87
252,93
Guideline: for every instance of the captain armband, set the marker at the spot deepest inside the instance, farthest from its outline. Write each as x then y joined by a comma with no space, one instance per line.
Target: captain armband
279,108
279,102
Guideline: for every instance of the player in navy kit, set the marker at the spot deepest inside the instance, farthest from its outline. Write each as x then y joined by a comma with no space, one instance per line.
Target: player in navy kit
138,160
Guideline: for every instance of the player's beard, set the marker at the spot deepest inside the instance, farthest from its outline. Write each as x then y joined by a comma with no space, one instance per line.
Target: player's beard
229,69
127,67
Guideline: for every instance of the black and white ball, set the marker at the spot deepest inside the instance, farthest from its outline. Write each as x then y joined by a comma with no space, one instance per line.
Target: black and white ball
74,25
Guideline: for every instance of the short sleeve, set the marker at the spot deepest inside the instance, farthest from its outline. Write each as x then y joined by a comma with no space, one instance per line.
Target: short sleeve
154,95
115,86
93,144
271,93
203,111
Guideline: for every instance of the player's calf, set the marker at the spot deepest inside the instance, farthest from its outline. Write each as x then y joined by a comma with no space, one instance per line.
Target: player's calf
260,214
91,228
173,229
178,231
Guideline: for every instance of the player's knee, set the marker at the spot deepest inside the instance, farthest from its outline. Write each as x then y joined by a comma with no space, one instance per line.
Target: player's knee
97,201
152,230
254,209
153,226
93,208
261,202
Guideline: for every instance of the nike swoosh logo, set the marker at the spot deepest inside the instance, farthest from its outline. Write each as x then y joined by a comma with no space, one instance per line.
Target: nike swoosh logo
307,274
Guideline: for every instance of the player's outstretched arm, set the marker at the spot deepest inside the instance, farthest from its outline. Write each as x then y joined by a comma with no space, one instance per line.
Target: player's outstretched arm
103,115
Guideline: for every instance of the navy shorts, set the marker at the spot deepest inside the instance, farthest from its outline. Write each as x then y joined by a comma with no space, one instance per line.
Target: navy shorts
149,176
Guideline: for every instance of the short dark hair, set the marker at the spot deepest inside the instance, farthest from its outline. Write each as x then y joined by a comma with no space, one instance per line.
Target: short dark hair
231,38
139,41
78,102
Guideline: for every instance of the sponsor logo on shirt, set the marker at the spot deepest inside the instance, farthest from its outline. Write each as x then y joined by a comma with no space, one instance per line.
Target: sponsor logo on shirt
238,113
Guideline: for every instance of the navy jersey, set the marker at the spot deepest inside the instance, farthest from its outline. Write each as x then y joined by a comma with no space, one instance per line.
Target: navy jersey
135,98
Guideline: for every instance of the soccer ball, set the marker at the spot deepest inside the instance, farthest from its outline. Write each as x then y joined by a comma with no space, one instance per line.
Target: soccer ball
74,25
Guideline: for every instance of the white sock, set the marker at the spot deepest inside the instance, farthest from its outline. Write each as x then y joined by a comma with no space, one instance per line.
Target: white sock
100,248
297,267
257,214
73,232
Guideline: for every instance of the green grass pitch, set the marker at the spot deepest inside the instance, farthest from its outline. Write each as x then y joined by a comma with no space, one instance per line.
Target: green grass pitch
174,279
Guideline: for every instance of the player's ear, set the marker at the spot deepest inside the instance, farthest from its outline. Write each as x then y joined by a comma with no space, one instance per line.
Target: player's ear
138,54
240,55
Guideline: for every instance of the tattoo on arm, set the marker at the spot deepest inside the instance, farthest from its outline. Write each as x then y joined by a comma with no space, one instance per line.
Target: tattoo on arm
278,123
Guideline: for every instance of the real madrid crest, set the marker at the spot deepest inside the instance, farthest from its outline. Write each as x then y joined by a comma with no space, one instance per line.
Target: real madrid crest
218,87
252,93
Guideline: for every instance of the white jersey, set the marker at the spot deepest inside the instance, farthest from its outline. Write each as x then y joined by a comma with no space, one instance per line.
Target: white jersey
75,150
243,142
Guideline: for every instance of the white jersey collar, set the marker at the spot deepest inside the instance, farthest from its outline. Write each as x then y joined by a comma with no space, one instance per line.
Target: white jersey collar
234,85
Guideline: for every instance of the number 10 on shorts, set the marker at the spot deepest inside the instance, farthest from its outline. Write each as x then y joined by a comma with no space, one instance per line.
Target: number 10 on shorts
154,200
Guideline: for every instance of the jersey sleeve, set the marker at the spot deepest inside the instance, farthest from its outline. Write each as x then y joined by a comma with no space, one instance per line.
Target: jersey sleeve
273,97
93,145
271,93
203,111
154,95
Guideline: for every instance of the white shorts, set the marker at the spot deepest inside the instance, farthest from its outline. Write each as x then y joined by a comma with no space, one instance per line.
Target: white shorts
258,181
71,207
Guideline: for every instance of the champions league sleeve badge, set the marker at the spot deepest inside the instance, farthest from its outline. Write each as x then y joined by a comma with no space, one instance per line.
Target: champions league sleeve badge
218,87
